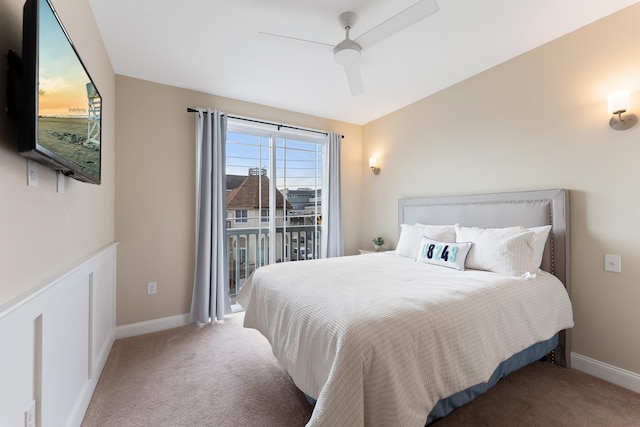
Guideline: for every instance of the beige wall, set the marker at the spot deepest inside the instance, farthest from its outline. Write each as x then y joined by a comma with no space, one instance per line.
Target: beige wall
42,232
537,122
155,190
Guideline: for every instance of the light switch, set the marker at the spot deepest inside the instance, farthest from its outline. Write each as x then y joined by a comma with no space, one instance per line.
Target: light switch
613,263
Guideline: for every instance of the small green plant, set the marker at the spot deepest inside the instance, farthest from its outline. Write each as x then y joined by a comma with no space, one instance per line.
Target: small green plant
378,241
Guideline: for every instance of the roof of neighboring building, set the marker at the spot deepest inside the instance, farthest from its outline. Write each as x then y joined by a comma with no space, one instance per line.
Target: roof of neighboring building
247,195
234,181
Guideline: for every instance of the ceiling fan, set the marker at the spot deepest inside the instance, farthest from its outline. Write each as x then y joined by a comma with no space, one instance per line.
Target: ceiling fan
347,52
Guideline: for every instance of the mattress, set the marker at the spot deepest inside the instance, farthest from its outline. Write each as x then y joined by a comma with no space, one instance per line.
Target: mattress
379,339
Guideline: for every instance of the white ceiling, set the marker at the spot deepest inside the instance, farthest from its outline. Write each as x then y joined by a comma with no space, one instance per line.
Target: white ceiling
211,46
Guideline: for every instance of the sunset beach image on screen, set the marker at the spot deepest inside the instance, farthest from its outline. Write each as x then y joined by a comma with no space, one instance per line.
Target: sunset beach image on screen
69,105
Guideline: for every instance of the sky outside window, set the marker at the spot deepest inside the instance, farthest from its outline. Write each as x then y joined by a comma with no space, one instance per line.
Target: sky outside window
298,163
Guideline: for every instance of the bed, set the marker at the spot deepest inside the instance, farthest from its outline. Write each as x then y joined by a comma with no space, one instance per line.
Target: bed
396,339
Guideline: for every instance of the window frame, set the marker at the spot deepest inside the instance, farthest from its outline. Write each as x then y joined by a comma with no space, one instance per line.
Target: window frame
274,132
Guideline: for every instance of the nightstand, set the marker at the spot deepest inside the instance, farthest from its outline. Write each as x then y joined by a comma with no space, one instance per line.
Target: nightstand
368,251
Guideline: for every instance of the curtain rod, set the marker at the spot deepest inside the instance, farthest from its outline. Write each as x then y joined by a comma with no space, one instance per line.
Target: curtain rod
193,110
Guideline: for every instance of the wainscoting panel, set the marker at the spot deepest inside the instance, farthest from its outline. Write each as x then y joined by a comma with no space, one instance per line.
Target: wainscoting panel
54,342
16,361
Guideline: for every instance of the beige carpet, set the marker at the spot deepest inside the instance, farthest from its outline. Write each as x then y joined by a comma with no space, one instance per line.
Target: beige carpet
543,394
217,375
224,375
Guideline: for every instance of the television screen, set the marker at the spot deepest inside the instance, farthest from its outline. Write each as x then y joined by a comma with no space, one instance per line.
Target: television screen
61,124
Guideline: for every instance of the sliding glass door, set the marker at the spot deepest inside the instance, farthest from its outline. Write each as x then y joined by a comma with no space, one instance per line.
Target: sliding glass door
274,197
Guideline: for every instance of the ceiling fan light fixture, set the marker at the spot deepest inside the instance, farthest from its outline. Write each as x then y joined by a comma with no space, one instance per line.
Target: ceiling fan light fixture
347,52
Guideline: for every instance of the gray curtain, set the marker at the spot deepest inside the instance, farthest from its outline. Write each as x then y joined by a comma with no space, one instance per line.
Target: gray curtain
333,243
210,301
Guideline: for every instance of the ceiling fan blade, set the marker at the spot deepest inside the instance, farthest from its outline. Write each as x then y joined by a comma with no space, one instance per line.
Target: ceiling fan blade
352,70
294,42
397,23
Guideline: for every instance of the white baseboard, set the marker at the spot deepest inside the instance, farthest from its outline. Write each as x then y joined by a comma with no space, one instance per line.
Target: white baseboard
149,326
155,325
627,379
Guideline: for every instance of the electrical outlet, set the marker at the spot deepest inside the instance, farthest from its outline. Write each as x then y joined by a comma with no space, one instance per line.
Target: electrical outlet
152,288
30,415
613,263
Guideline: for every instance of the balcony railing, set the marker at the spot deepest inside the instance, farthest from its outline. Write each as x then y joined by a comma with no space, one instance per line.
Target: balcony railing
248,249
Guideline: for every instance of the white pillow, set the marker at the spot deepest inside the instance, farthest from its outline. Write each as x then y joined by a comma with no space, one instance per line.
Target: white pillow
444,233
452,255
542,234
410,235
501,250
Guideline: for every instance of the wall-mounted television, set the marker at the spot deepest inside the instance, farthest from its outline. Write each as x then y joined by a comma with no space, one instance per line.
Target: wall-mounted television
60,109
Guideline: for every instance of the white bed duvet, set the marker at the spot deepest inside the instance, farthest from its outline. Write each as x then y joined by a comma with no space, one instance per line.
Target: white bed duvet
378,339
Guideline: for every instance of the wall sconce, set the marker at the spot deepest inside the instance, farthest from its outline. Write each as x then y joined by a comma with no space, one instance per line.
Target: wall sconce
373,164
618,104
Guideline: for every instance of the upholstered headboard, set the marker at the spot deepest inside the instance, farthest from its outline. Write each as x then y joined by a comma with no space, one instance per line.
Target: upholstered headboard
528,209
